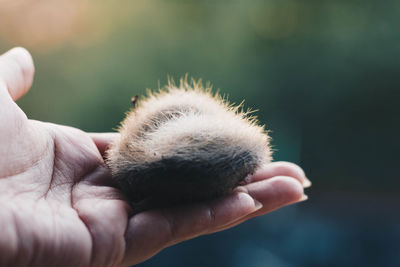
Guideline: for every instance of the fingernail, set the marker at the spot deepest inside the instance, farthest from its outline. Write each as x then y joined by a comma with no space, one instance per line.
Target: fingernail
241,189
257,204
303,198
306,183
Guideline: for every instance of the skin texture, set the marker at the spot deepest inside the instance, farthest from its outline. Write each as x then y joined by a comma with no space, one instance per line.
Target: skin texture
58,206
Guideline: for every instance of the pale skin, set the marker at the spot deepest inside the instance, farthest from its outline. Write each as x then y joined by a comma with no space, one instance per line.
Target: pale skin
59,206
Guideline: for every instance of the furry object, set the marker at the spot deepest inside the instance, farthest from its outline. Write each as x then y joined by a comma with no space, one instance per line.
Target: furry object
184,144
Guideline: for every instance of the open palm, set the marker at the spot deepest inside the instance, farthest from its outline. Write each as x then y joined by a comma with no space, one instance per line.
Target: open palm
59,206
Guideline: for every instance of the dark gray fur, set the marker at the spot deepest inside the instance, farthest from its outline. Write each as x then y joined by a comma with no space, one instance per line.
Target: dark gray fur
187,177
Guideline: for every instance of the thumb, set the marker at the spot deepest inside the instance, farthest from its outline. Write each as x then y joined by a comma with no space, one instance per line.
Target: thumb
16,72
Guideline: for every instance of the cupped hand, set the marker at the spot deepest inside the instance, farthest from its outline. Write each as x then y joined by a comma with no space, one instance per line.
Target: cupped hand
59,206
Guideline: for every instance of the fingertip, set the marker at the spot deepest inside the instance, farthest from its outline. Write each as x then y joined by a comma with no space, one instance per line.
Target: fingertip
17,71
290,189
248,203
276,192
282,168
273,193
24,57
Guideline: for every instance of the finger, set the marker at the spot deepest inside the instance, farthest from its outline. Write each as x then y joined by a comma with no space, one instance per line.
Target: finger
273,193
281,168
103,140
16,71
105,216
151,231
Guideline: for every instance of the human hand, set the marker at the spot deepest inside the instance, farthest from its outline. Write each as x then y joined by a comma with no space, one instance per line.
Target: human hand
59,206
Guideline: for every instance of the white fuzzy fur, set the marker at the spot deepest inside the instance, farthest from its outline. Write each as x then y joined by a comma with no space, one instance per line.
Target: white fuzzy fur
187,122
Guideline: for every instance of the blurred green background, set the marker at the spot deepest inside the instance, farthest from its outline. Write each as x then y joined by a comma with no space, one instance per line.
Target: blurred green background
323,74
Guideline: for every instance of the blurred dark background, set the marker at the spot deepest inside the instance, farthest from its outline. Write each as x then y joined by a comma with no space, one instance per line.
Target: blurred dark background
323,74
